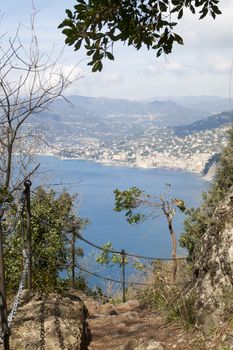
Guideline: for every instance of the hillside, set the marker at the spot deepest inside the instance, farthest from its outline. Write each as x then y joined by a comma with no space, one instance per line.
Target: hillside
212,122
132,133
109,119
168,112
113,119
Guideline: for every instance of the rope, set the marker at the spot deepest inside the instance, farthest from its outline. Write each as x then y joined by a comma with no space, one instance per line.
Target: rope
98,247
154,259
15,306
128,254
113,280
97,275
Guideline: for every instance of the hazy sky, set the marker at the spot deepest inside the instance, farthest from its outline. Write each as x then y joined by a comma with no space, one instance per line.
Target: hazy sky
201,67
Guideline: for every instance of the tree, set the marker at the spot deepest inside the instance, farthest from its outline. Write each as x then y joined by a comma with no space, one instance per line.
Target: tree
52,220
153,206
99,24
29,83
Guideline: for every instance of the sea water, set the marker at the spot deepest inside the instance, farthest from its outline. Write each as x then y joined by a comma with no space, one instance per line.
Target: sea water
94,183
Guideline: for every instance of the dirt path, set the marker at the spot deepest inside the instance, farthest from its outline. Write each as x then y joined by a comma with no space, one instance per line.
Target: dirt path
128,327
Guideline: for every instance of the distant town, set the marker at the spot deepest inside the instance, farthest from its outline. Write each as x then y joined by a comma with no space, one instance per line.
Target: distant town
158,134
158,149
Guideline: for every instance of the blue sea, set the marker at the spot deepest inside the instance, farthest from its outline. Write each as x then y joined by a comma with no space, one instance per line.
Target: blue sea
94,183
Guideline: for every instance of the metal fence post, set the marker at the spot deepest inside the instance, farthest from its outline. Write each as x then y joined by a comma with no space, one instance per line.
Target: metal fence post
3,304
123,276
27,185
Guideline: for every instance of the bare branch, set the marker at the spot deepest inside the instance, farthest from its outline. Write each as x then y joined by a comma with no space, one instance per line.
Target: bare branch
29,83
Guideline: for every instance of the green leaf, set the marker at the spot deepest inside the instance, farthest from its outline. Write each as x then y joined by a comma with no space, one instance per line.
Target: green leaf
69,14
204,12
110,56
78,45
180,14
159,52
192,8
178,39
80,8
216,10
97,66
90,52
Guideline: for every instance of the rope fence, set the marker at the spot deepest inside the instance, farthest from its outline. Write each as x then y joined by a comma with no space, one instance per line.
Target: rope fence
126,253
123,262
113,280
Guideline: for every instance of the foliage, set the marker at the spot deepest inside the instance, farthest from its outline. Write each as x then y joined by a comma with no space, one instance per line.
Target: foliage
163,294
99,24
198,220
52,218
5,195
160,290
128,200
107,257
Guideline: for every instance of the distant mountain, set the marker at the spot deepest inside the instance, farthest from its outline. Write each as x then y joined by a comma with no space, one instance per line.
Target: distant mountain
209,123
204,104
108,119
174,114
167,112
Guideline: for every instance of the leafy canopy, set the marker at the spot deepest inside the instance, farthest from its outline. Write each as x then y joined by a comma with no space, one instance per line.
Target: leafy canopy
99,24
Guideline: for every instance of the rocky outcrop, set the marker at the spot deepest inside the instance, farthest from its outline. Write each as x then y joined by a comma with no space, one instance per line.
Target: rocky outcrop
51,322
213,269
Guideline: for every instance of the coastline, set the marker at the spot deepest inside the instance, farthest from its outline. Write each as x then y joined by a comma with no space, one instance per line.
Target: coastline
206,177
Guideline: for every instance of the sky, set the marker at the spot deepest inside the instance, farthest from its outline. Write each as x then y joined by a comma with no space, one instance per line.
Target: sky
201,67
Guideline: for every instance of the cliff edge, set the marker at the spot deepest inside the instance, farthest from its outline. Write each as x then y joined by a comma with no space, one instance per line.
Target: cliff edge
213,268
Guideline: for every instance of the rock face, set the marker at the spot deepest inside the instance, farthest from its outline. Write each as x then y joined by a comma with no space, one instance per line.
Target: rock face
51,322
213,268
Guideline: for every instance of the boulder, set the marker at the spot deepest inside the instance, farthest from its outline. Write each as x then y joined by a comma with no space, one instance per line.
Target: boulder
51,322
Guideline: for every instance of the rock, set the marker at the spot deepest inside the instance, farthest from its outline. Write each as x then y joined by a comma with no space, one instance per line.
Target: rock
113,313
130,305
55,322
212,284
121,325
149,345
93,307
130,316
106,309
